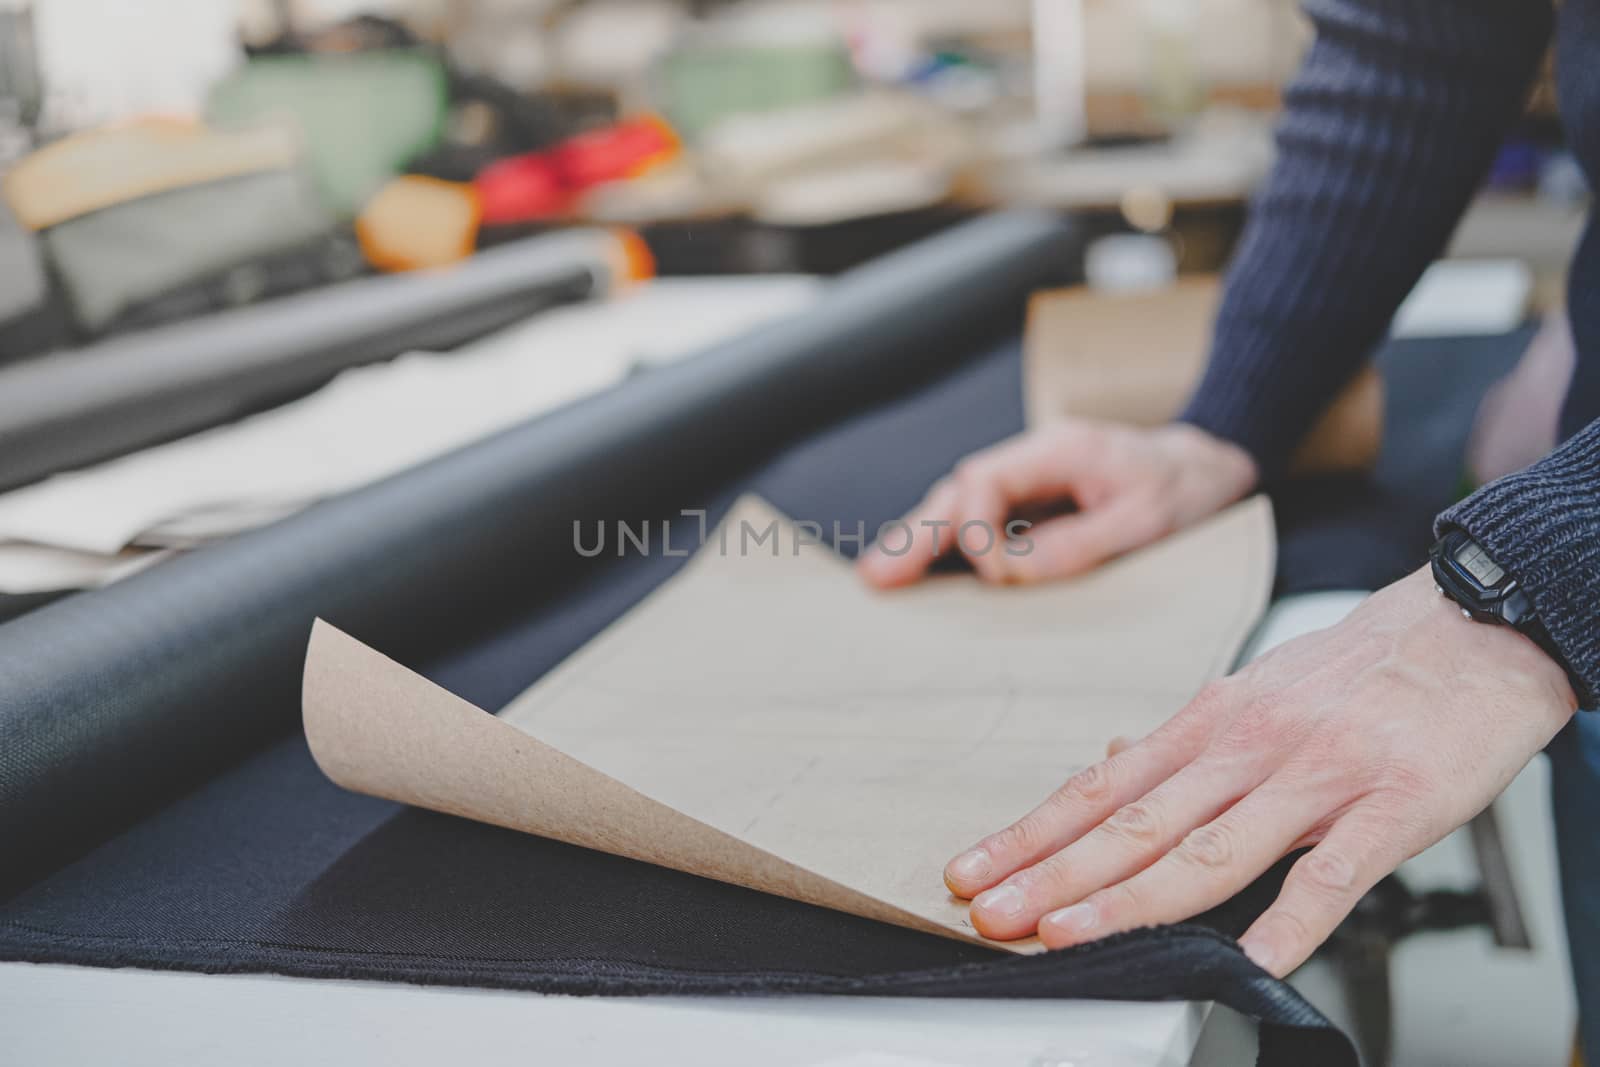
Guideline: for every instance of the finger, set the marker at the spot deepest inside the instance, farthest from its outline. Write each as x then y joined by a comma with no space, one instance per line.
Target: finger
1211,864
992,483
982,505
1073,544
1135,836
881,566
1322,888
1086,799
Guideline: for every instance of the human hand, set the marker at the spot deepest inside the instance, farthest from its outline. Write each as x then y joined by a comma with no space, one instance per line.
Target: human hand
1131,486
1368,741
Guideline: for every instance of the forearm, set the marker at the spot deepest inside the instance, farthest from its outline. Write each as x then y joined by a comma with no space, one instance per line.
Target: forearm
1542,525
1387,131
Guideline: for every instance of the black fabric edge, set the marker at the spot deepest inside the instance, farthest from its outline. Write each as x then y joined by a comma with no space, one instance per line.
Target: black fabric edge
1293,1032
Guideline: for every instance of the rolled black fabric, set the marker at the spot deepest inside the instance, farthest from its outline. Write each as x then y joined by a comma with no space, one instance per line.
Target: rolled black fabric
67,409
114,700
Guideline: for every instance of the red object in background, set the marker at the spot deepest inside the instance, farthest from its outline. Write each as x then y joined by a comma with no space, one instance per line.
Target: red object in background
625,150
521,189
542,185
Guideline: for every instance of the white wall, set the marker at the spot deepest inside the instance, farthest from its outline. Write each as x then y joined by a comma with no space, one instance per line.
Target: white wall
109,59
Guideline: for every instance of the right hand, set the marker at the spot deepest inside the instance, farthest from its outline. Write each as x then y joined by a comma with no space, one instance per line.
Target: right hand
1131,486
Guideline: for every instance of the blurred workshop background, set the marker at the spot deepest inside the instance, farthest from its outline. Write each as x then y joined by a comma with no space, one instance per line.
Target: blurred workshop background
169,166
735,137
310,141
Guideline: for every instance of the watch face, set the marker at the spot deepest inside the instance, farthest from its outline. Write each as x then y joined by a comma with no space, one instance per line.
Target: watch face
1475,561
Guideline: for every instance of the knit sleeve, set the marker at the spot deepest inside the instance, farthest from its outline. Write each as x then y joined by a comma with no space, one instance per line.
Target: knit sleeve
1542,525
1387,131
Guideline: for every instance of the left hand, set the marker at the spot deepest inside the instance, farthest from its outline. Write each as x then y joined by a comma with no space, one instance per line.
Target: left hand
1369,741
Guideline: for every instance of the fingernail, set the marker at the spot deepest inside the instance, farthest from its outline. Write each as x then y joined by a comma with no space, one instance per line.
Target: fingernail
1261,956
1078,919
971,866
1005,901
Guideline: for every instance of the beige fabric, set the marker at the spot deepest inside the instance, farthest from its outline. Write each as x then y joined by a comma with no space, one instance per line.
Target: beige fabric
767,720
101,168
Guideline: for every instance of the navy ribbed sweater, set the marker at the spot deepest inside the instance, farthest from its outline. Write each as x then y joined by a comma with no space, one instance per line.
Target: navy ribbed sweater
1387,131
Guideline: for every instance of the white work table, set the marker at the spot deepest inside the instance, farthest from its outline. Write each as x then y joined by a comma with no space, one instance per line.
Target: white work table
53,1014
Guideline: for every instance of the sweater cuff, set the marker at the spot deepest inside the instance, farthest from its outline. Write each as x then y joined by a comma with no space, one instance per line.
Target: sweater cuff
1542,525
1230,416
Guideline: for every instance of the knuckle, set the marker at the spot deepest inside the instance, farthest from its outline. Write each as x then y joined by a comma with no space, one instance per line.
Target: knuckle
1138,824
1194,723
1401,780
1211,848
1154,520
1119,905
1215,694
1088,436
1049,878
1252,721
1094,785
1068,431
1289,927
1321,777
973,471
1020,838
1327,872
1389,822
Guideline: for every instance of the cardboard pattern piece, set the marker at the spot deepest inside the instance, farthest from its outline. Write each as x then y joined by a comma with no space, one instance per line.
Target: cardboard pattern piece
766,720
1136,357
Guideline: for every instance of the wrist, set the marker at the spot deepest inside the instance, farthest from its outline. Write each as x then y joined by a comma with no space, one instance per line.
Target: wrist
1468,576
1215,471
1508,650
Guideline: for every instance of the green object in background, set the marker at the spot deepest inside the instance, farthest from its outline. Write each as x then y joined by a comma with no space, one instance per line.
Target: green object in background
362,116
702,84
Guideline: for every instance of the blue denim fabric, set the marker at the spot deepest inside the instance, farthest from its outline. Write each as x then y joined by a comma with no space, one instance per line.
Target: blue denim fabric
1575,791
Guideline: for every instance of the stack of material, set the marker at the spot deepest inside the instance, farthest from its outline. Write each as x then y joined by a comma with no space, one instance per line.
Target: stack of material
97,525
130,214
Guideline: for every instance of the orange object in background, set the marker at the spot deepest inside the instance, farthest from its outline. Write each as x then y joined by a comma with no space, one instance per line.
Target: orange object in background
543,185
415,222
635,262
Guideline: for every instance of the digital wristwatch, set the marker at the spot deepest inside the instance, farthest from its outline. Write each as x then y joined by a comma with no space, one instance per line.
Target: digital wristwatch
1465,573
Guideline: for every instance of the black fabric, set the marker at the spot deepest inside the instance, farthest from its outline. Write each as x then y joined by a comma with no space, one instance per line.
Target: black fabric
270,867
